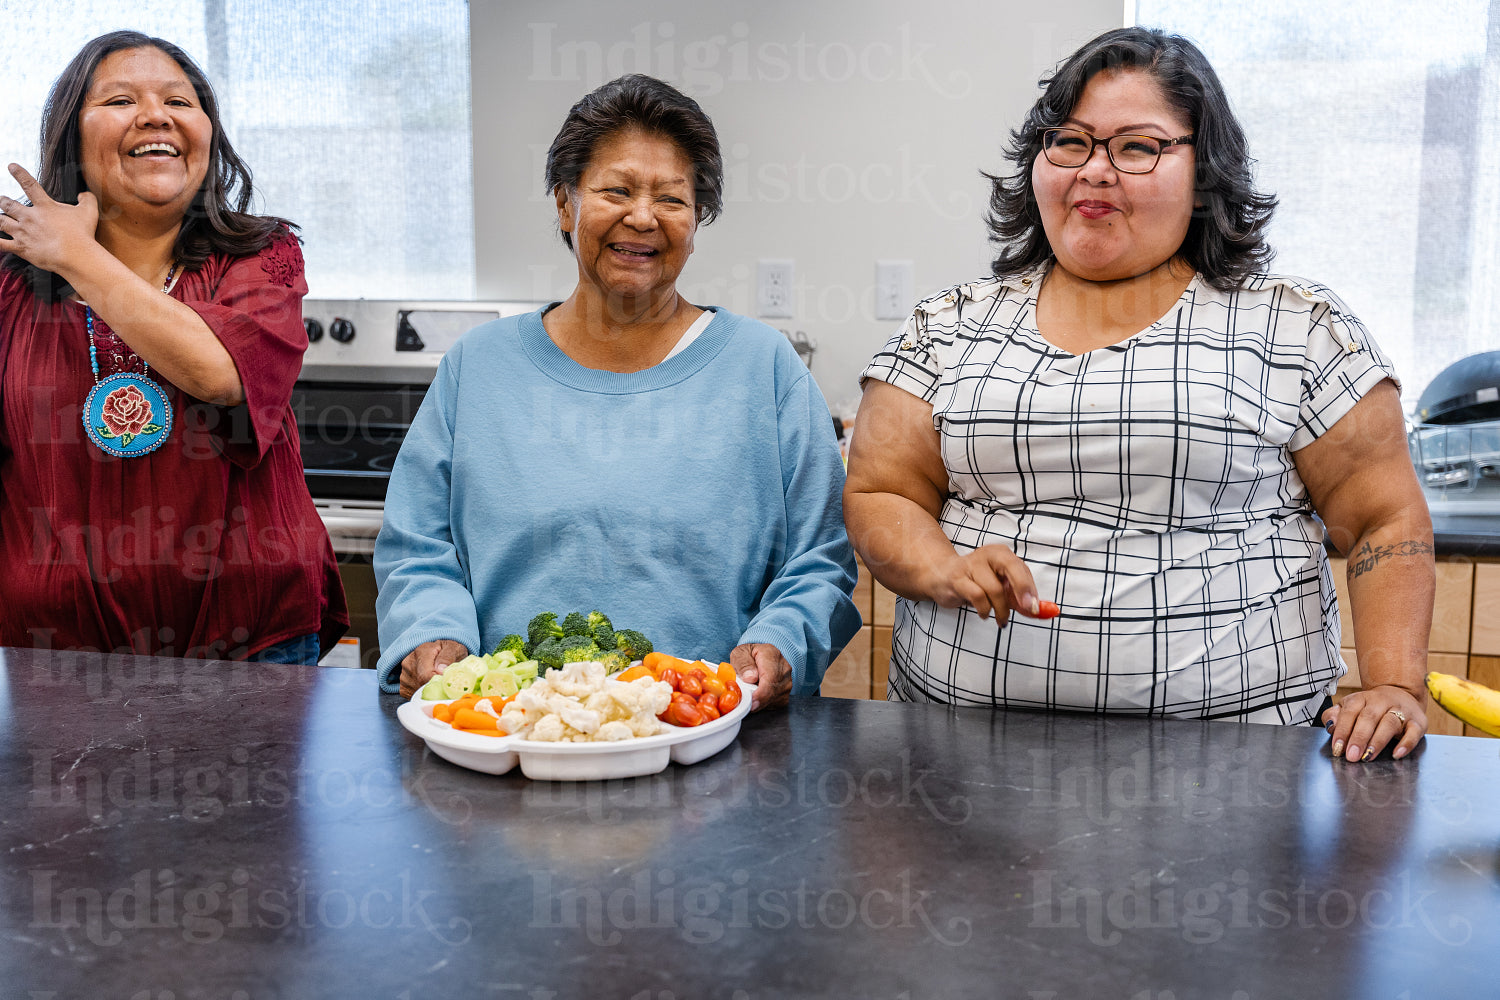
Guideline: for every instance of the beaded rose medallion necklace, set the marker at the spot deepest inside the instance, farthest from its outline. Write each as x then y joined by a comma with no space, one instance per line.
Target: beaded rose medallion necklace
126,414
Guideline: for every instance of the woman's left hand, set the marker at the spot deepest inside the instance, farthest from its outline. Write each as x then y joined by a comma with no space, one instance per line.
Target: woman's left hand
762,664
1366,721
47,233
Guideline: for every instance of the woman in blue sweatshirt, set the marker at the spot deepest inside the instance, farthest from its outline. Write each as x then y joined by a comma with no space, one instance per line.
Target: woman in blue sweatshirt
671,465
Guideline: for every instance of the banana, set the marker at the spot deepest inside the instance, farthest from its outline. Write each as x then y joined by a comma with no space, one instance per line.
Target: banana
1473,703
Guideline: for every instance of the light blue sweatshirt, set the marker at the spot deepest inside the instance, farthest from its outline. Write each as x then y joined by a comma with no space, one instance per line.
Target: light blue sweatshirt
698,501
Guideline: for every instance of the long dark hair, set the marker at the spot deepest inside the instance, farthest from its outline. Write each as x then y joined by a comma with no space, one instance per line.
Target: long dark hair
217,221
655,107
1225,240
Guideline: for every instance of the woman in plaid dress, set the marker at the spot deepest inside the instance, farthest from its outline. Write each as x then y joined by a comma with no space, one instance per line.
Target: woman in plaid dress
1132,419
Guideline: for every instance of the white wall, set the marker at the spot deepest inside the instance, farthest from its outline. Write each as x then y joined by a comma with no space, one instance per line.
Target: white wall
852,131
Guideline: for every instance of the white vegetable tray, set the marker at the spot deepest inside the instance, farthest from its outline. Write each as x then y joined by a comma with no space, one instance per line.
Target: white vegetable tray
573,761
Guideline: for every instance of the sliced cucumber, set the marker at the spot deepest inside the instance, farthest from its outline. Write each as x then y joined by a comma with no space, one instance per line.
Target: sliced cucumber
502,659
460,679
433,689
524,672
498,683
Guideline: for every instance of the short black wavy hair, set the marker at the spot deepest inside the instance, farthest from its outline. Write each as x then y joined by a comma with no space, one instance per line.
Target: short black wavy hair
646,103
1225,240
217,221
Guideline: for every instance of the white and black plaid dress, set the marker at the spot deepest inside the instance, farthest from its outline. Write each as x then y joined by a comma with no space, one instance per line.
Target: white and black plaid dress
1149,486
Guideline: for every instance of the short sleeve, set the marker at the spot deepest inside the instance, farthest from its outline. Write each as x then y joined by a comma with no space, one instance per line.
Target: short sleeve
1341,365
255,309
908,360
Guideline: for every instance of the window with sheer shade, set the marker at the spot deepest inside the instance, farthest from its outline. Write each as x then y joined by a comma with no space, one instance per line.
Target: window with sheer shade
1375,122
353,116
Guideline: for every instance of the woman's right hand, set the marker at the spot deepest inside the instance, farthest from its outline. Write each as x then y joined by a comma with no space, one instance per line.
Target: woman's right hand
990,579
48,234
428,660
893,495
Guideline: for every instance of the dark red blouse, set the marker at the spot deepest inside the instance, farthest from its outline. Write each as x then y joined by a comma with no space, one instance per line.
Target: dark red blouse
209,546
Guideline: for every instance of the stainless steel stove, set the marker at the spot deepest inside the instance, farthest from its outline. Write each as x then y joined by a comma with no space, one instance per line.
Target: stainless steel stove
366,371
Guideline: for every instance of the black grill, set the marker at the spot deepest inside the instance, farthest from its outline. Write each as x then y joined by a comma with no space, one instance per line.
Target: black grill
1455,445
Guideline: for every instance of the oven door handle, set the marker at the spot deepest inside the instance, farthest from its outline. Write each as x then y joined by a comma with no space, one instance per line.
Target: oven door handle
350,527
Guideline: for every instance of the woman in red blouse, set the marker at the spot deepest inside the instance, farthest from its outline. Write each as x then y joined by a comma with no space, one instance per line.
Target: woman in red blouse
150,334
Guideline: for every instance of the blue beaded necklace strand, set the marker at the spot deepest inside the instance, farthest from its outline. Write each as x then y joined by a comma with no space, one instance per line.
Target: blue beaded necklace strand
132,415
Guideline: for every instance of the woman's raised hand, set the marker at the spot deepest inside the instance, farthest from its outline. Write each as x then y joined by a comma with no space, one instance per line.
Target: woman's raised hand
46,233
991,579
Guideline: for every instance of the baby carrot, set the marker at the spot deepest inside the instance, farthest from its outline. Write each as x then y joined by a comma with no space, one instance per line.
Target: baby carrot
657,662
468,718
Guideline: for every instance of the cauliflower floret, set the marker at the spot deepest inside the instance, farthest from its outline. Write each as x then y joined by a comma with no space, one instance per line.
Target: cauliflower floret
549,729
645,725
580,718
614,731
578,679
534,698
513,719
655,696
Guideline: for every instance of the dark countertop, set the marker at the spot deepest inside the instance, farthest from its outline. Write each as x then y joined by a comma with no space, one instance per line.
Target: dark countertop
215,831
1477,536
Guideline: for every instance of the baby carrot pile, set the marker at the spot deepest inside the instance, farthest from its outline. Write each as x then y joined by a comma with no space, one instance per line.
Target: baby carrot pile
465,717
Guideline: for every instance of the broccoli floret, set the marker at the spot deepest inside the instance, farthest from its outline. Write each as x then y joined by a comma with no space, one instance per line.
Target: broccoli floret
599,622
575,654
601,629
632,643
578,647
575,624
549,653
514,643
614,661
541,628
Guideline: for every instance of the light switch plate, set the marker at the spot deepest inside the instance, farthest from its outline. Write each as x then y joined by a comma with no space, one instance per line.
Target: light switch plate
895,285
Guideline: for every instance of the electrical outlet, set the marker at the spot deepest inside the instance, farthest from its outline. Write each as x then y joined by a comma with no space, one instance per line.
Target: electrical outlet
773,289
895,286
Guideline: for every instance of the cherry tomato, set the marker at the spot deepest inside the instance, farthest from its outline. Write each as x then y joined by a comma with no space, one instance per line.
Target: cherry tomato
672,677
732,696
683,699
683,714
708,700
711,713
692,684
715,685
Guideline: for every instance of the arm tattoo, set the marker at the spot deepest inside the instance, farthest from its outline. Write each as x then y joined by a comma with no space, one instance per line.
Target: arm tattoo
1369,557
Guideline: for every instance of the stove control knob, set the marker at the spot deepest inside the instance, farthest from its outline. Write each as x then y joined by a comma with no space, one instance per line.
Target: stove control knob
341,330
314,330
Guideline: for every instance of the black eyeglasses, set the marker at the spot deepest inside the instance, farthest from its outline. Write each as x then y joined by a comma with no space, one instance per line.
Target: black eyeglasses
1130,154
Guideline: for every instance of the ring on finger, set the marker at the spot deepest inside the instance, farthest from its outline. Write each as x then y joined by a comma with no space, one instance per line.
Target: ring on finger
1398,714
